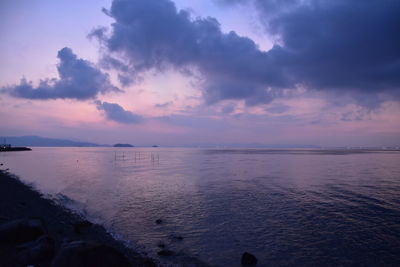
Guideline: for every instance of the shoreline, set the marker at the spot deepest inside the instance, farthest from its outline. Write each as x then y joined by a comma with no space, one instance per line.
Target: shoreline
18,201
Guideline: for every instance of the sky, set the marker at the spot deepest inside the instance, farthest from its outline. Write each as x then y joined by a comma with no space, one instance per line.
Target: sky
219,72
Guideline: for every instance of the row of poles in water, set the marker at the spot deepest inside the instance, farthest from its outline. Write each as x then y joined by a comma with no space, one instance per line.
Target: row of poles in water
124,155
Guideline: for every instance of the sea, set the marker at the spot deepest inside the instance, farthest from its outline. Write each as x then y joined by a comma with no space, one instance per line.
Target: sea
288,207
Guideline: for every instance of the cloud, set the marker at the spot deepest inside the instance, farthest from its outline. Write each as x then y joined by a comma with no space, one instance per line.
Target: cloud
228,108
270,7
277,109
115,112
342,44
345,46
164,105
355,115
231,66
78,79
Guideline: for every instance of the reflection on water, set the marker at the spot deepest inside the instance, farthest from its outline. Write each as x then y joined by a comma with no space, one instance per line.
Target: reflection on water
288,207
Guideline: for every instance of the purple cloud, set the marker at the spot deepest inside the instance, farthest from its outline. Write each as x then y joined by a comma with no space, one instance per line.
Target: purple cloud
345,47
232,66
78,79
115,112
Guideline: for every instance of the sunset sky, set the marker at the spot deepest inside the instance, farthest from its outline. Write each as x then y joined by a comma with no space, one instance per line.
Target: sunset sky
183,72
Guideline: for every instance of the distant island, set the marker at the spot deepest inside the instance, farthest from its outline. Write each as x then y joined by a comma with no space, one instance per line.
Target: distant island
123,145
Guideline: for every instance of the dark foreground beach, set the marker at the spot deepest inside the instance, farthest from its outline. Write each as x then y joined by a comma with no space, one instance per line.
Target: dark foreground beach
36,232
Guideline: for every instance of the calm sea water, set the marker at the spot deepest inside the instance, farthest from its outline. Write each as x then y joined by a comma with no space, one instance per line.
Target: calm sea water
287,207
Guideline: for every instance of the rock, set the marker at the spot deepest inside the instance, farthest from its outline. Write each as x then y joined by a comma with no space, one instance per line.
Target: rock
88,254
248,259
166,252
21,231
159,221
39,251
80,226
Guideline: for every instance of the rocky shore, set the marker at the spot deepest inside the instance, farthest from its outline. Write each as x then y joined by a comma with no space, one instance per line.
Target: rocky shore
36,232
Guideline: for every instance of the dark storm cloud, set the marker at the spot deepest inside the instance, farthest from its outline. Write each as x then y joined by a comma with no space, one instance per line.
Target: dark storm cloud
153,34
342,44
115,112
79,79
345,46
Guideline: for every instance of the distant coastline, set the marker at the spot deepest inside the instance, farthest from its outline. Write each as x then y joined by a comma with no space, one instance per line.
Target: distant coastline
32,141
38,141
